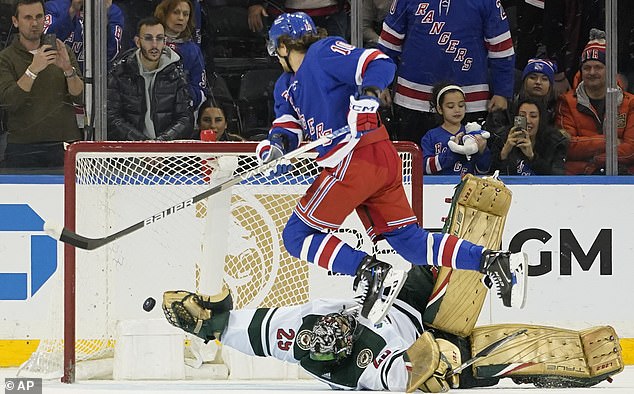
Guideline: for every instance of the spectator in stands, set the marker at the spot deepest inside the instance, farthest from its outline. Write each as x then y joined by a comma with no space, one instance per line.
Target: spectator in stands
538,149
581,113
38,86
538,81
374,12
440,157
567,24
135,10
468,43
329,14
148,93
65,18
175,15
211,116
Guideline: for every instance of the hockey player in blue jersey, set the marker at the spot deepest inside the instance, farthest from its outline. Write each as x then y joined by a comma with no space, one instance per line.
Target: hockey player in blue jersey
328,84
65,19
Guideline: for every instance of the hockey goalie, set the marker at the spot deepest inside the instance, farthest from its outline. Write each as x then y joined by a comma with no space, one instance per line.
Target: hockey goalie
410,350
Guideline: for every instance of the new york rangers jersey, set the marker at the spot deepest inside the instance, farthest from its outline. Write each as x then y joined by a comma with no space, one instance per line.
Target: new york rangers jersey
376,362
194,66
465,42
438,159
71,30
314,101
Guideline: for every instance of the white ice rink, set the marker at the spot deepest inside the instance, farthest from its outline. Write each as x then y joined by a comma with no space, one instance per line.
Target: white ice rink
623,384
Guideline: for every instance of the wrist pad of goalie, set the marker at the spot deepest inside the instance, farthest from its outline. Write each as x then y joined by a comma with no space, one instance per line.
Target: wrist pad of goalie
362,115
204,316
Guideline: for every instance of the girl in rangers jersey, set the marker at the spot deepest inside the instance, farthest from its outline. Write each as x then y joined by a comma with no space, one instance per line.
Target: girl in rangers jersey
440,158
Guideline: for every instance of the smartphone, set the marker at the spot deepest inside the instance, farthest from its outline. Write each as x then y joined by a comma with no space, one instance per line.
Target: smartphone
520,122
50,39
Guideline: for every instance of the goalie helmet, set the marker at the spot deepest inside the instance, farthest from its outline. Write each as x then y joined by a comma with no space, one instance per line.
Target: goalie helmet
332,337
295,26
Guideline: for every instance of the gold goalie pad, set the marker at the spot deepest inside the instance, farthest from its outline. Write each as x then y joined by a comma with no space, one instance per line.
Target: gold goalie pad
478,214
549,356
429,361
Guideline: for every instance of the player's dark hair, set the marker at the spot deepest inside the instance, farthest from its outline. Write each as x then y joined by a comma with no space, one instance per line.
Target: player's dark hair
301,45
147,21
18,3
540,136
438,101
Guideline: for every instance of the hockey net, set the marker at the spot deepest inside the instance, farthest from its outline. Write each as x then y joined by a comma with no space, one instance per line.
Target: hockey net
112,185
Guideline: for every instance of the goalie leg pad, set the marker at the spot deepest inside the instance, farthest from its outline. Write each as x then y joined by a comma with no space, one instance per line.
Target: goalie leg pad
204,316
549,356
478,214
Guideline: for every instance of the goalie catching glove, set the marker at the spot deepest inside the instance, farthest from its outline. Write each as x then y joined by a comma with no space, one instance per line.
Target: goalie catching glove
201,315
272,149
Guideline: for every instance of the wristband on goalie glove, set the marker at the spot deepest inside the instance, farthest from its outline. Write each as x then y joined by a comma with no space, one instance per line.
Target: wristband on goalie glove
362,115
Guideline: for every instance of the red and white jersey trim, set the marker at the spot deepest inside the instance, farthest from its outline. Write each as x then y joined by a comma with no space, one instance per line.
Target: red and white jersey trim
500,46
366,57
391,39
289,123
417,96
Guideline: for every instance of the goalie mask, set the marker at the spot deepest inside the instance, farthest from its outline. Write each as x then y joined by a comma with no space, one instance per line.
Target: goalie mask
332,337
295,26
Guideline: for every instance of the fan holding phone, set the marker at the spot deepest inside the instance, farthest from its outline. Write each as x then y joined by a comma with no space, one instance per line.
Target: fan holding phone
532,146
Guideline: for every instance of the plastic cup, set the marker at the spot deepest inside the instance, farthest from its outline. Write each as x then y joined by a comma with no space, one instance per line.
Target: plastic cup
208,135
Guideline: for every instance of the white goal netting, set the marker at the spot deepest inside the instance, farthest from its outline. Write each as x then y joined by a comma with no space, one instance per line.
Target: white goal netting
232,237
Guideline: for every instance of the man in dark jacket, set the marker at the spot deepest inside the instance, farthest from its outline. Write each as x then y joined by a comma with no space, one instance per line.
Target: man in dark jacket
148,96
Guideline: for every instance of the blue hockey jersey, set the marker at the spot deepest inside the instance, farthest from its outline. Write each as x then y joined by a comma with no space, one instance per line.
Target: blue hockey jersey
314,101
194,65
438,159
71,30
466,42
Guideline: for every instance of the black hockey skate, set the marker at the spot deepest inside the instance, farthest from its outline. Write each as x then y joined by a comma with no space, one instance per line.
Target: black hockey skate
508,271
381,284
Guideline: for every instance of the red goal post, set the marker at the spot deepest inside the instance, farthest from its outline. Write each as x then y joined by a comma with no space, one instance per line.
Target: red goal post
110,185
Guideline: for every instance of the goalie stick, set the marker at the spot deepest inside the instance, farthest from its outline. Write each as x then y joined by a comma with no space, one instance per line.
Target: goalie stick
79,241
486,351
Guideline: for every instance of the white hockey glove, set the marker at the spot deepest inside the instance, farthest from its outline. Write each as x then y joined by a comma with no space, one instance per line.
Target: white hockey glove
268,151
362,116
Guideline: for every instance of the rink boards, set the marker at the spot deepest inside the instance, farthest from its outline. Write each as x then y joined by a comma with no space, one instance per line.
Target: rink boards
574,229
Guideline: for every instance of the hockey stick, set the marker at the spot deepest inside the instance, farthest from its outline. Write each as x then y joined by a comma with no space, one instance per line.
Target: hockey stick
79,241
486,351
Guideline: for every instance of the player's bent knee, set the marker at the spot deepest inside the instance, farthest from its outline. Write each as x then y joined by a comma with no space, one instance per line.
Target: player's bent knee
294,234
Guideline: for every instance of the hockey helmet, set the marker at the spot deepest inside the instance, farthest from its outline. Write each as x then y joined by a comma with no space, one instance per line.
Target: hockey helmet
332,337
295,25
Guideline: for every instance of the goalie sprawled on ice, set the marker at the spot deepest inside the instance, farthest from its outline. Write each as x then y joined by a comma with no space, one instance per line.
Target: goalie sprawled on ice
347,352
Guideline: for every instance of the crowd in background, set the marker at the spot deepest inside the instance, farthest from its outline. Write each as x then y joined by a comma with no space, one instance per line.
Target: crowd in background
515,86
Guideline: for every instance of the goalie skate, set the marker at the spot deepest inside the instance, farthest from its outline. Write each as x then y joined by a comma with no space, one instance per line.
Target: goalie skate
377,285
